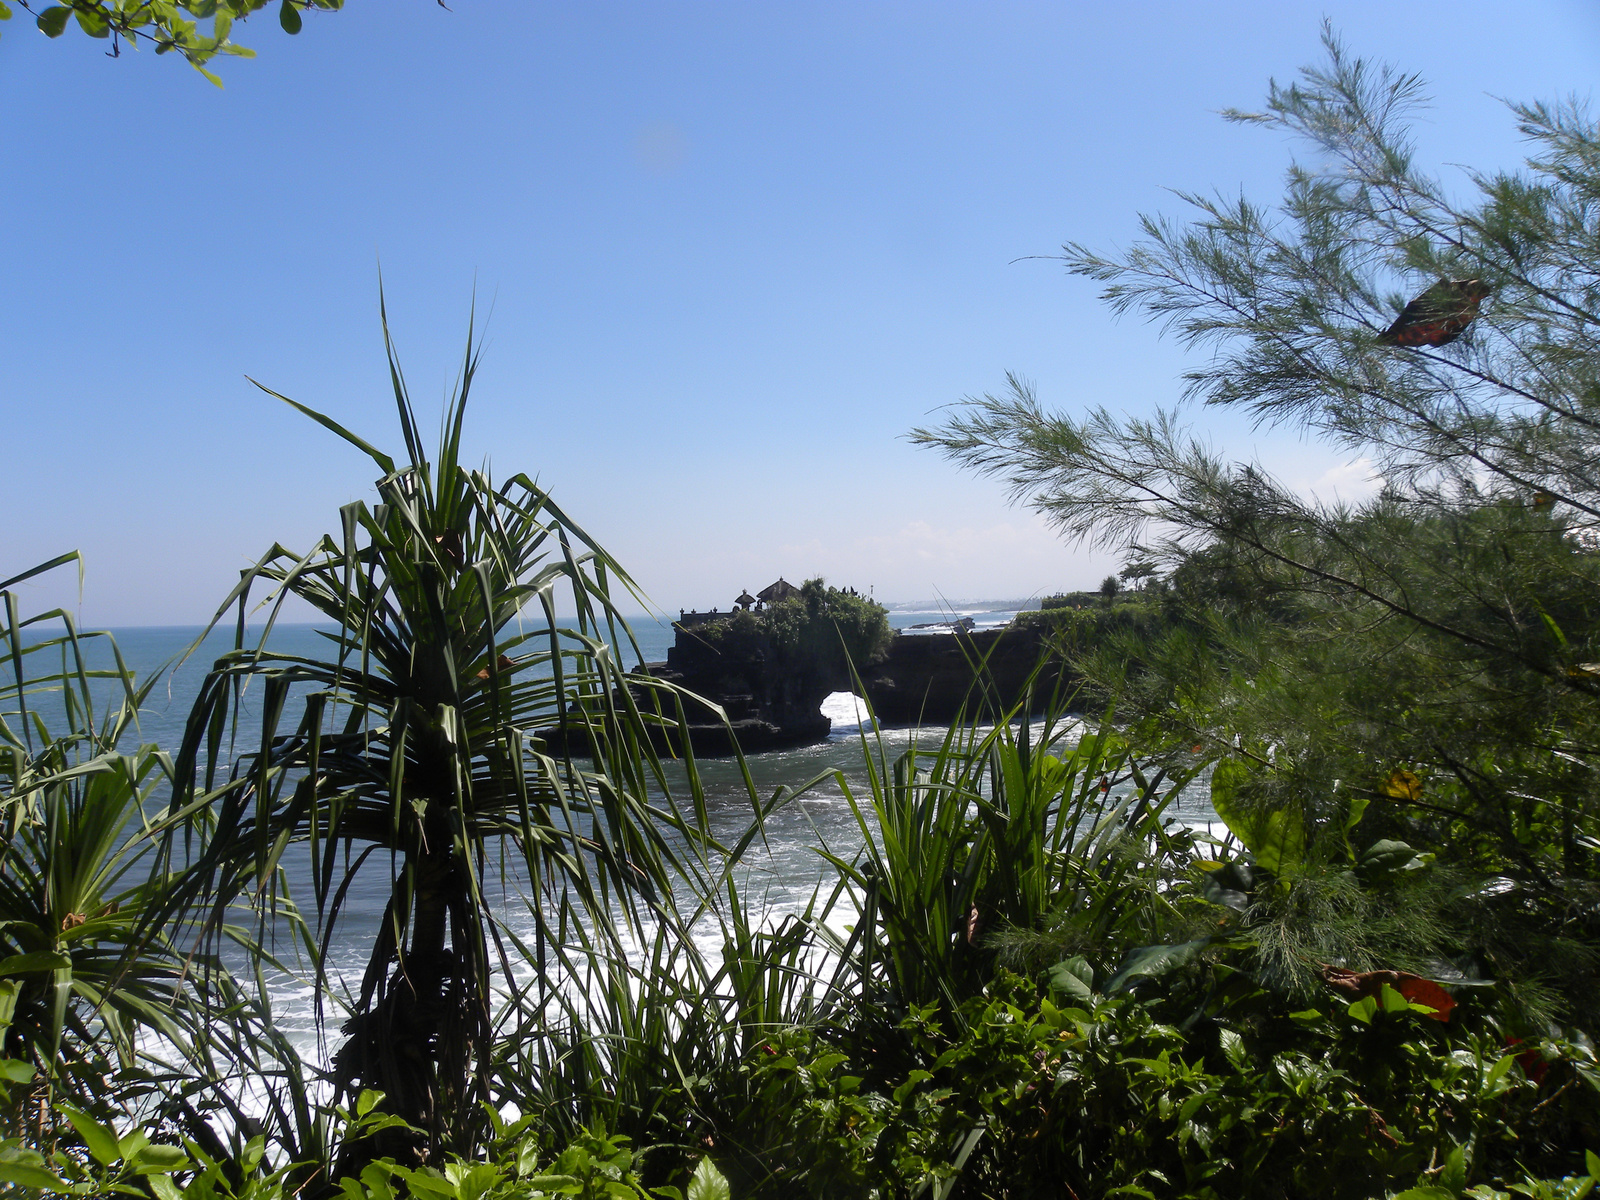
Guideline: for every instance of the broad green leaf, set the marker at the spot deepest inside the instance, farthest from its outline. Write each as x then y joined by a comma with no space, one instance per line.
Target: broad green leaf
1228,884
708,1183
27,1176
1358,806
53,21
913,1078
428,1182
93,22
1358,809
375,1179
1227,777
1382,858
1453,1178
1074,978
101,1141
1234,1048
1276,839
1498,1071
158,1157
289,17
1283,844
132,1143
1154,961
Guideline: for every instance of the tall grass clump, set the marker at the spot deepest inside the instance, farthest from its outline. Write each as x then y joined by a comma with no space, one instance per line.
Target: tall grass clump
1007,842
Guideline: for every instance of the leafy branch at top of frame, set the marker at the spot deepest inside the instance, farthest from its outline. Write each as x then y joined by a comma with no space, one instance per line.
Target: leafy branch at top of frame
167,25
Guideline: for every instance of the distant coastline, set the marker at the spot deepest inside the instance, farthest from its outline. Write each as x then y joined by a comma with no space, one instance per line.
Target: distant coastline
962,605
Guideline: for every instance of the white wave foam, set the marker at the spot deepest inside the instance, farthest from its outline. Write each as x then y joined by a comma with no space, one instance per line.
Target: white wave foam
846,710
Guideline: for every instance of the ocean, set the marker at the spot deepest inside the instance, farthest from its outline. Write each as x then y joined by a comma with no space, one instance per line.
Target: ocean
782,872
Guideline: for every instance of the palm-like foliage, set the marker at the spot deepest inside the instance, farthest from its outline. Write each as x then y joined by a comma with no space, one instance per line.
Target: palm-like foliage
97,985
445,735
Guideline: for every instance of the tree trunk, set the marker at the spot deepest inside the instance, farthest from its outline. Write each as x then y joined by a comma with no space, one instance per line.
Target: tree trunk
401,1040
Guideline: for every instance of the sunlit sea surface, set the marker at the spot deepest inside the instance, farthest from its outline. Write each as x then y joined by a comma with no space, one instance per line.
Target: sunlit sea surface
782,871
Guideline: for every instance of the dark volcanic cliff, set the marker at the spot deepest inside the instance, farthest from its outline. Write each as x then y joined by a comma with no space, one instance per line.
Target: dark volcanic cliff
773,699
928,679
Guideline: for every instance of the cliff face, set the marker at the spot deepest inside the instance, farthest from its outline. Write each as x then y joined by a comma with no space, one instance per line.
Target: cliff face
773,699
928,679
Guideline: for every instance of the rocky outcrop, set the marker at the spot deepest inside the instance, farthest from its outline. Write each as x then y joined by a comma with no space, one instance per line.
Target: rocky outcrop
931,679
772,702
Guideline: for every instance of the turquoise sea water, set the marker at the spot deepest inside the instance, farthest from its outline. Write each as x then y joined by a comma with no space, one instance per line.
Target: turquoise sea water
149,649
782,873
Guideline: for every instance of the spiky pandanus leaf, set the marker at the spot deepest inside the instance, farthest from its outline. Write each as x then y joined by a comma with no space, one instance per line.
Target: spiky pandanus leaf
102,1004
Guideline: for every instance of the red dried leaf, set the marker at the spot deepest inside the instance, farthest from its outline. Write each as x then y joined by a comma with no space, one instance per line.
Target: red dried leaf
1425,991
1533,1063
1417,990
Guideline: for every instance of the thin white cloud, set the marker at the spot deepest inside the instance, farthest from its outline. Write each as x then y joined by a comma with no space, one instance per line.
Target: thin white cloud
926,544
1347,483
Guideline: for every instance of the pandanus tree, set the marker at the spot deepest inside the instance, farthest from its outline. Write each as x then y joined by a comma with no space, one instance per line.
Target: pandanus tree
471,717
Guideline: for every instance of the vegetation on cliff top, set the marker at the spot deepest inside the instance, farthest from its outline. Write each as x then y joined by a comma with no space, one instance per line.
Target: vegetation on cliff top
821,630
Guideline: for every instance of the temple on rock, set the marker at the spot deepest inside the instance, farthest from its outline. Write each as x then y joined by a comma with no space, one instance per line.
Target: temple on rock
773,593
746,689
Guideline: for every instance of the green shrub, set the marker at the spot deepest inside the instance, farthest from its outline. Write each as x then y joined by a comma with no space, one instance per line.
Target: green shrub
1078,1093
98,1161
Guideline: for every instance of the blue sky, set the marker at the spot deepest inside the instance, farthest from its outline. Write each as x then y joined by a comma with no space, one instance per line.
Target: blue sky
732,251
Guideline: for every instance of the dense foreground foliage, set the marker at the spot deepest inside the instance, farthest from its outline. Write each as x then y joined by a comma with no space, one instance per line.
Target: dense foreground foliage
1043,986
1312,911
